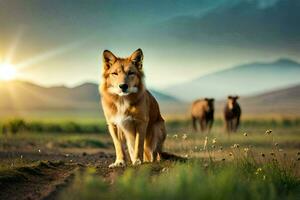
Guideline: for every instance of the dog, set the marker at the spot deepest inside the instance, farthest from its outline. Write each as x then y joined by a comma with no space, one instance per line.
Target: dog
131,112
232,114
203,111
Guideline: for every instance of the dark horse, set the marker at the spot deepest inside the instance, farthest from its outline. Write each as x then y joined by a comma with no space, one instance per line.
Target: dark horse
232,114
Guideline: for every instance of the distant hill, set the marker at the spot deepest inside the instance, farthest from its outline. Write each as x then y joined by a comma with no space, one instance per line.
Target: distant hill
248,79
285,101
19,98
26,96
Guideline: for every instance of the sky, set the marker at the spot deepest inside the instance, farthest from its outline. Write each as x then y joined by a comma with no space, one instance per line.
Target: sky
55,42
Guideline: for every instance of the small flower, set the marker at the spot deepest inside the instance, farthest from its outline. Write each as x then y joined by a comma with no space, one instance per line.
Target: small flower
213,146
21,156
205,143
39,151
214,141
184,136
164,169
264,177
236,146
67,155
246,150
175,136
259,169
195,147
245,134
268,132
186,155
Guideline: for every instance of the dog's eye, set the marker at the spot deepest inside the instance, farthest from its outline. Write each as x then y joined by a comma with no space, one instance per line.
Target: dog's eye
114,73
131,73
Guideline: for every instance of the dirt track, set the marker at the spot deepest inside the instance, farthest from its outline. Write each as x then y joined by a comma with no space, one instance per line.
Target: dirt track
51,173
49,176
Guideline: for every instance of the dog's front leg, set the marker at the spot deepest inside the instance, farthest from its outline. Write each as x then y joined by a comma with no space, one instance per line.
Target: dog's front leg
141,129
120,161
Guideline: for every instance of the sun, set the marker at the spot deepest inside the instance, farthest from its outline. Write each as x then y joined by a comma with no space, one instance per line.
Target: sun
7,71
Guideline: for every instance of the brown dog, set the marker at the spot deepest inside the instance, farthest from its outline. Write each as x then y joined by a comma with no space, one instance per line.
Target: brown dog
203,112
232,114
131,112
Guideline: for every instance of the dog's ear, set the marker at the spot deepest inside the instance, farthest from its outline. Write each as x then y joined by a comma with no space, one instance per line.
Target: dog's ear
108,59
137,58
237,97
229,97
206,99
212,99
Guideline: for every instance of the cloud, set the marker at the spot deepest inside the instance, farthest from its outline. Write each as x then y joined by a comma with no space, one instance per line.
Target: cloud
260,24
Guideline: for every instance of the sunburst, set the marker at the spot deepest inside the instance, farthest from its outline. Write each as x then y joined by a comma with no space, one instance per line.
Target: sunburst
7,71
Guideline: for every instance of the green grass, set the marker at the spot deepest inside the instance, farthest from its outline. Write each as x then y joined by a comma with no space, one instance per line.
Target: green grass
15,126
52,141
98,125
221,170
201,179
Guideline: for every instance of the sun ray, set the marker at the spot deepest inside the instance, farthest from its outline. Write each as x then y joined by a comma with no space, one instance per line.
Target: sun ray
13,48
49,54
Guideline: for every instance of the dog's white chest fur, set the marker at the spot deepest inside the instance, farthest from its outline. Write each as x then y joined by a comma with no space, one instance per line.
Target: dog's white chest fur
120,118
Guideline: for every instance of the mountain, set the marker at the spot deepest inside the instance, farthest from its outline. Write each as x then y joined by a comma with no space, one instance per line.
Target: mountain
20,95
284,101
245,80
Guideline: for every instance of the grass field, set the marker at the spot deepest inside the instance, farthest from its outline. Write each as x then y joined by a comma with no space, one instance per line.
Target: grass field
65,163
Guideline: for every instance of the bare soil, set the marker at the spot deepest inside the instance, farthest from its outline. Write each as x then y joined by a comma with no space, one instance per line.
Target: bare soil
49,174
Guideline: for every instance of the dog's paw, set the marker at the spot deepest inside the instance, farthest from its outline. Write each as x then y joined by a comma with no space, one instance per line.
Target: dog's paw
117,163
137,162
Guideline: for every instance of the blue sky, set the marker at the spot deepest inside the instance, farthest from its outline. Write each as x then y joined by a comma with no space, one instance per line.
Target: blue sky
60,41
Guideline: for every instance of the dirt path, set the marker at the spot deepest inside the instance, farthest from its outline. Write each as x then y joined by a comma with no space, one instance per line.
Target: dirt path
45,179
46,175
34,182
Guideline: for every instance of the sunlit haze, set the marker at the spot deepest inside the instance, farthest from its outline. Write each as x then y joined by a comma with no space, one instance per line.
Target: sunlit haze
7,72
61,42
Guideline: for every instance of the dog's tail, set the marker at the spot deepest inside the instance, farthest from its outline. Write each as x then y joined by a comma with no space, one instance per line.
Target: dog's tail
172,157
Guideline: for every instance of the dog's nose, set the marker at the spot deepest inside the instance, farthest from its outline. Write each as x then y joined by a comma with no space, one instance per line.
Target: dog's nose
123,87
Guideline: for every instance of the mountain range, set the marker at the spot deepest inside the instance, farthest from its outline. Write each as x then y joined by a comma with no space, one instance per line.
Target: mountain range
245,80
24,95
264,88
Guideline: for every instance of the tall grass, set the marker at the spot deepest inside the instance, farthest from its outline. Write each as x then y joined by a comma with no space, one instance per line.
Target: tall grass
193,180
